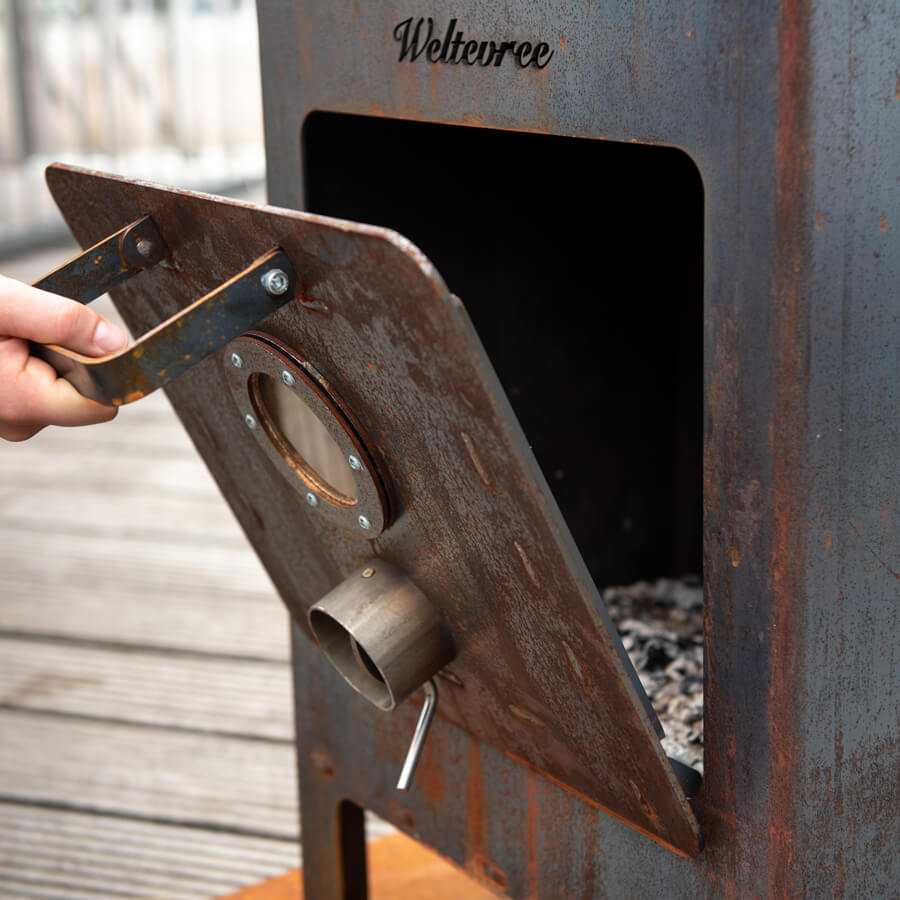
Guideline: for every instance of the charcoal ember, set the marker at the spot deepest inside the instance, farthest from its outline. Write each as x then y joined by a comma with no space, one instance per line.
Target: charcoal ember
685,709
656,655
653,683
661,624
684,665
640,629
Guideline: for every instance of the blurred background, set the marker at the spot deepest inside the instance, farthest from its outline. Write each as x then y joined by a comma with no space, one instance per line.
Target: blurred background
146,729
162,90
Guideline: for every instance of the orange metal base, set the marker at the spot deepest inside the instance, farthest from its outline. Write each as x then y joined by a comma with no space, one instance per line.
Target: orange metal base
399,869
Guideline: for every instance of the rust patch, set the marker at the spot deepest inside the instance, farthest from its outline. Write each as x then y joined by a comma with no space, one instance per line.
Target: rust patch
526,717
789,420
576,666
322,763
526,562
532,835
475,812
477,462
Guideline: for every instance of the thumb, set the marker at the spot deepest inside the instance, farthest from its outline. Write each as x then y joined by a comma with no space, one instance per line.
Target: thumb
26,312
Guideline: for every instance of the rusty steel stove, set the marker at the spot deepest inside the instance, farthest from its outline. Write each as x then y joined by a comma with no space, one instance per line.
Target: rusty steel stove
648,325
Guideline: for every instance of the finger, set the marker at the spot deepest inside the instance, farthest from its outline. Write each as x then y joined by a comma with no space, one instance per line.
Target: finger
40,316
61,404
33,396
17,433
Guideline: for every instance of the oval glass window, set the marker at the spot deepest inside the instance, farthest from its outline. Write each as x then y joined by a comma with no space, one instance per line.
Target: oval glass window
303,441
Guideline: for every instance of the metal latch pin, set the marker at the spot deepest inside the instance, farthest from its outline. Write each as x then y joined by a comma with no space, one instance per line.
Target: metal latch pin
418,739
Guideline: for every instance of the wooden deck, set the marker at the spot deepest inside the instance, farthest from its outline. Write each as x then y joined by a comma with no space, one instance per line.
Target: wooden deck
145,699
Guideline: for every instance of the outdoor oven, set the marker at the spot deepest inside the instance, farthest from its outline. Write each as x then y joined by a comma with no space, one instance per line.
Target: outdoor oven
636,315
674,229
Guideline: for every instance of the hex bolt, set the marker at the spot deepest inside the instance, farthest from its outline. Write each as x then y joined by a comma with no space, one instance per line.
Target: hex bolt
236,361
288,379
312,499
275,282
250,421
354,462
364,523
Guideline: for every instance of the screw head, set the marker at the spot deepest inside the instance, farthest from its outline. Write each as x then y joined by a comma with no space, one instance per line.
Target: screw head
288,379
144,247
250,421
236,361
312,499
368,572
354,463
275,282
364,523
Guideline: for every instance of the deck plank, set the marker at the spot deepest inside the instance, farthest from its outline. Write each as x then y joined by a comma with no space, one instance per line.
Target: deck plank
145,709
224,696
155,561
51,853
207,781
128,613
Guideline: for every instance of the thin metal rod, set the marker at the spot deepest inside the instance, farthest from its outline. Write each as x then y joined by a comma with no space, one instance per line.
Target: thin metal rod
419,735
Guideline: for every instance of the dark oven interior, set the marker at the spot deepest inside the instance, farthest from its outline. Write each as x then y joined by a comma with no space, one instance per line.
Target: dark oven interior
580,263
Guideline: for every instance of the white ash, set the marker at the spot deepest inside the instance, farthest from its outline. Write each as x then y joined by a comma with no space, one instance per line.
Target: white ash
661,625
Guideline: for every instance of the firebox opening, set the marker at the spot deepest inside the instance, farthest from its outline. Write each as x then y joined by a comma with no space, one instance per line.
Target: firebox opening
580,263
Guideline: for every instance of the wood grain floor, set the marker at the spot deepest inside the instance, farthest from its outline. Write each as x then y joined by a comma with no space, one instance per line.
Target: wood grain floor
145,700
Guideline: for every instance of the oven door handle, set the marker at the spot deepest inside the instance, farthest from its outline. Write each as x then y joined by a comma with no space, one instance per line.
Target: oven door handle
178,344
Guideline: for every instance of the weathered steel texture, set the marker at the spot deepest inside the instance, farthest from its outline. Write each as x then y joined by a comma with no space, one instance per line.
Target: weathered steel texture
109,263
540,673
790,112
172,347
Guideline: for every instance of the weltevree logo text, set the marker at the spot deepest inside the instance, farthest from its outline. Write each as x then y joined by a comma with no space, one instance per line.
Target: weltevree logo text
418,38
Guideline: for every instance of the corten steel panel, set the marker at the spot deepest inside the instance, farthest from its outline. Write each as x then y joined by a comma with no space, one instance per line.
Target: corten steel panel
790,111
543,675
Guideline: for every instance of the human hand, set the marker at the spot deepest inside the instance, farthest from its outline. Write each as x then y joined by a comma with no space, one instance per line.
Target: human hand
31,393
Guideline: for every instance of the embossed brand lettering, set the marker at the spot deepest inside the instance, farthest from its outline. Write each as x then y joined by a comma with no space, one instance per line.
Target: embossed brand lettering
417,37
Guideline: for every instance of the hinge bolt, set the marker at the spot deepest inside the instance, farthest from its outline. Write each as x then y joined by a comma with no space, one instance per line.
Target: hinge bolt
275,282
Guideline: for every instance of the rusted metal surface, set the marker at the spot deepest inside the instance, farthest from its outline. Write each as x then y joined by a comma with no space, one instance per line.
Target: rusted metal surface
789,111
540,673
173,346
108,263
